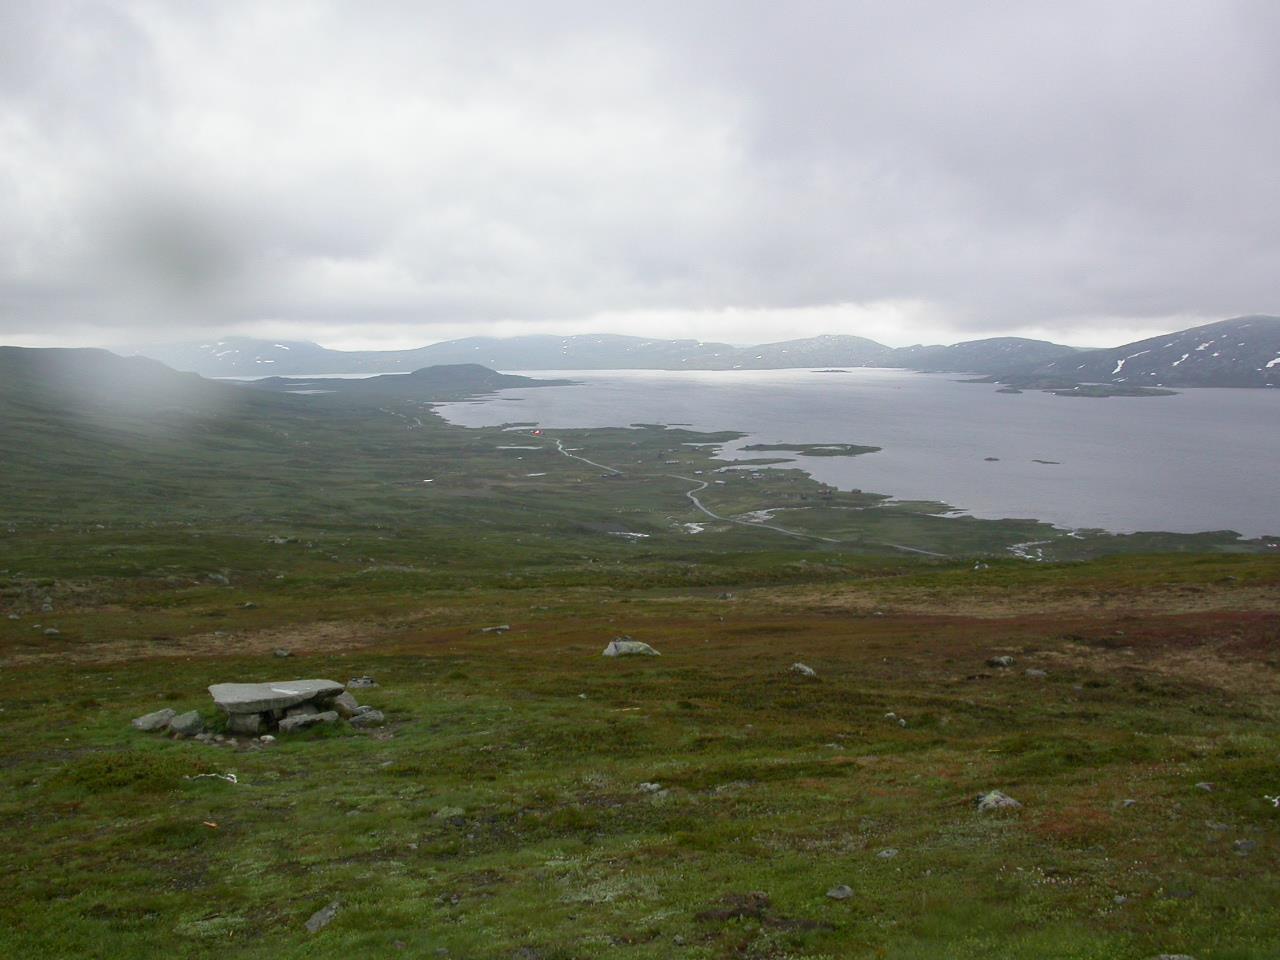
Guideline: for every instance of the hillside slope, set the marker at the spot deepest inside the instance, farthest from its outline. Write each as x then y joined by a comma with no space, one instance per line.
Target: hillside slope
1241,352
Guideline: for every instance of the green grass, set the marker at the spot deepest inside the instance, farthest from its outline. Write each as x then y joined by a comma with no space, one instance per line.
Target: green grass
500,813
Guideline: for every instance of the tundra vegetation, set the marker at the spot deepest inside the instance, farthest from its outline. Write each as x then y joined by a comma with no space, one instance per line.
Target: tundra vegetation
528,797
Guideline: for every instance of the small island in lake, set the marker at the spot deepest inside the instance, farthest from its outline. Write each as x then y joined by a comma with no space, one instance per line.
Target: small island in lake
816,449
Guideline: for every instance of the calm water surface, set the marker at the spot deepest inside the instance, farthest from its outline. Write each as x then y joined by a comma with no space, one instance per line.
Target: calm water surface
1205,459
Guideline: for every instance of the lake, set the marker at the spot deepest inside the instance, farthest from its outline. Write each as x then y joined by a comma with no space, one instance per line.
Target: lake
1205,459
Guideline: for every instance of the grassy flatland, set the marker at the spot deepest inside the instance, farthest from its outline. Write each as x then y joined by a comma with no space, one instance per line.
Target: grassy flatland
502,810
500,813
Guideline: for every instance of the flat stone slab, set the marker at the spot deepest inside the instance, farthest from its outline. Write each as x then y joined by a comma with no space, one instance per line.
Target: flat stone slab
259,697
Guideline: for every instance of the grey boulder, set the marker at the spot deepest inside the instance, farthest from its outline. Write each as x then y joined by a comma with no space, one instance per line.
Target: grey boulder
995,800
322,918
626,647
290,724
237,698
150,722
247,723
368,717
187,724
842,892
346,705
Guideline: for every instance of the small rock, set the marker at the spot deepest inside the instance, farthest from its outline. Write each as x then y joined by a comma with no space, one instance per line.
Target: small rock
14,616
1126,804
187,724
150,722
650,787
52,632
266,738
1001,661
290,724
248,605
1244,847
891,715
1205,786
887,854
803,670
1119,899
322,918
218,579
449,813
1035,674
626,647
902,721
726,596
281,652
842,892
368,717
995,800
500,628
361,682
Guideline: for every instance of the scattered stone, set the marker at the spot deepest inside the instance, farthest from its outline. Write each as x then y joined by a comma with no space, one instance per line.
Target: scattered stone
842,892
151,722
650,787
218,579
187,724
995,800
500,628
887,854
359,682
266,738
803,670
281,652
1119,899
52,632
290,724
1126,804
346,705
248,605
1244,847
1001,661
368,717
1035,674
322,918
242,698
891,715
902,721
626,647
14,616
1205,786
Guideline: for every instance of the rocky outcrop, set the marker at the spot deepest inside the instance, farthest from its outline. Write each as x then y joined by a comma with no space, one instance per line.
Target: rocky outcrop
291,705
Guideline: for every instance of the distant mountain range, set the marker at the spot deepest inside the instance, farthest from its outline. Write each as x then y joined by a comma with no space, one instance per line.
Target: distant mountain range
1242,352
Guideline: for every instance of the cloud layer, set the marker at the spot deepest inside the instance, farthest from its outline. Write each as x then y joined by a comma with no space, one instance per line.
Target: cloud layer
397,173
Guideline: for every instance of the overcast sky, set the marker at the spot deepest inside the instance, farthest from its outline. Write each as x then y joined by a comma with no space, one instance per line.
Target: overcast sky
388,174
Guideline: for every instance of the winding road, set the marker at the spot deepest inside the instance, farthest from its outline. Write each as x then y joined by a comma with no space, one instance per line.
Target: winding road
701,485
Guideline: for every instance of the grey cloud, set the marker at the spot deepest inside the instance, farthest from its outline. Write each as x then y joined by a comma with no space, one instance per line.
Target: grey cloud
1046,165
